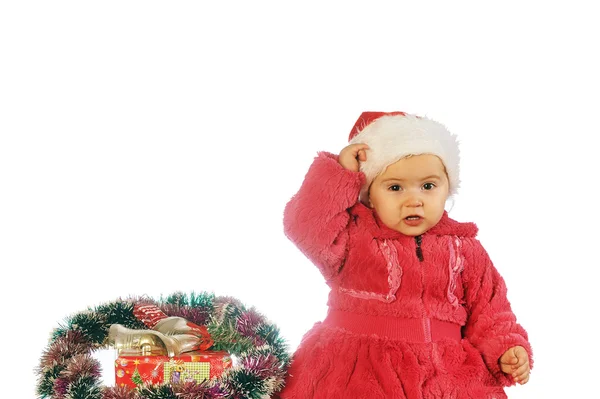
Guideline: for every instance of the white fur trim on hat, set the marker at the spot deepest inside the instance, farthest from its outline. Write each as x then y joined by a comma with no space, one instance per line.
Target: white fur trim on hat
393,137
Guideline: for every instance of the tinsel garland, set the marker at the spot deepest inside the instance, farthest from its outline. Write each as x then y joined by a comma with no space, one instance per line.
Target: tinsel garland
68,370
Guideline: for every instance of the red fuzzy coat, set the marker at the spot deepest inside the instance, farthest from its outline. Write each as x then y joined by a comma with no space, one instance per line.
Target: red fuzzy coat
374,270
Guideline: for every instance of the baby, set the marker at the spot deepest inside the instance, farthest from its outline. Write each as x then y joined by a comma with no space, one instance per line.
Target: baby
416,307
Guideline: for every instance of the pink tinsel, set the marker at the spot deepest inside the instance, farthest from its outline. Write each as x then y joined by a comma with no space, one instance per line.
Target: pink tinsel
119,393
63,348
81,366
204,390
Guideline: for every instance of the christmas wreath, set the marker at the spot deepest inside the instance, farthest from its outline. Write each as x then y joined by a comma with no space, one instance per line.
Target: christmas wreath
68,370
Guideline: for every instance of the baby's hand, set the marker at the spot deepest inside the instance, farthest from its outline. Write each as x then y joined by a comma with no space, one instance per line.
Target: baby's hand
515,362
351,155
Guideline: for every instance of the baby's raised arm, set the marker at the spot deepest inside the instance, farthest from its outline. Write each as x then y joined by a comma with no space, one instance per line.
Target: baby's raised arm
316,219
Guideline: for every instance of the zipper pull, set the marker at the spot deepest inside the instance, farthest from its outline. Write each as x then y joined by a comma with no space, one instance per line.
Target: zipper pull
418,240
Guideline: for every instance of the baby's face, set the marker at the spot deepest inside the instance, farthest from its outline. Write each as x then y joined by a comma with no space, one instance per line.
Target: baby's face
409,196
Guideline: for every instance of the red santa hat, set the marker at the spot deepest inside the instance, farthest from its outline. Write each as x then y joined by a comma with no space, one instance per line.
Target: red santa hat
392,136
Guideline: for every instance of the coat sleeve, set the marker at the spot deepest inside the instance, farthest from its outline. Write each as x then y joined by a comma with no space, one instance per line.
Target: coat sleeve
491,325
316,218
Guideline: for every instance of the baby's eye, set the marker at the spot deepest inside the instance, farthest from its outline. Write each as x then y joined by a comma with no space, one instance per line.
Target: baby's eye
428,186
395,187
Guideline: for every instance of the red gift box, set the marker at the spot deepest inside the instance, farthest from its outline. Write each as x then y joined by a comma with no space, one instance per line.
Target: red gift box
133,369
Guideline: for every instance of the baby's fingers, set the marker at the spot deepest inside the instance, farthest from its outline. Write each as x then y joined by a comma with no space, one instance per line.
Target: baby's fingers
509,360
521,373
523,377
362,155
351,155
359,148
520,370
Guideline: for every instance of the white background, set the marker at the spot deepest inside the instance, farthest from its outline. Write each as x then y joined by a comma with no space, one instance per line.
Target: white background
150,147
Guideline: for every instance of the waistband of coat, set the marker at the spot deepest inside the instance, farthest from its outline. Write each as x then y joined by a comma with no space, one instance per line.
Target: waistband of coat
418,330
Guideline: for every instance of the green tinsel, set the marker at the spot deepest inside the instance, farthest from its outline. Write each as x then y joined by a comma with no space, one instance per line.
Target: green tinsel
247,385
92,325
84,388
45,386
157,392
270,333
205,301
120,312
177,298
228,339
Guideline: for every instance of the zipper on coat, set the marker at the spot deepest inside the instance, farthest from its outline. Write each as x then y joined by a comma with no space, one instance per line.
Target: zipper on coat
418,240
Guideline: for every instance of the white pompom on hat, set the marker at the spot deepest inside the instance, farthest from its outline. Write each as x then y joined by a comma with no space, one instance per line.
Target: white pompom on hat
392,136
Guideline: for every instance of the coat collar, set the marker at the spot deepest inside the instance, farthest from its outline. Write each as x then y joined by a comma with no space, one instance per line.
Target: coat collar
446,225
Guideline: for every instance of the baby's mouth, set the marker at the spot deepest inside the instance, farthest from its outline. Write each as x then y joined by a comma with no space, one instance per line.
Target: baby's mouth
413,220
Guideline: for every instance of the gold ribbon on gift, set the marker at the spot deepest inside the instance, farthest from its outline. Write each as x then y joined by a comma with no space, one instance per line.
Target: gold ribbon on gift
150,342
169,335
